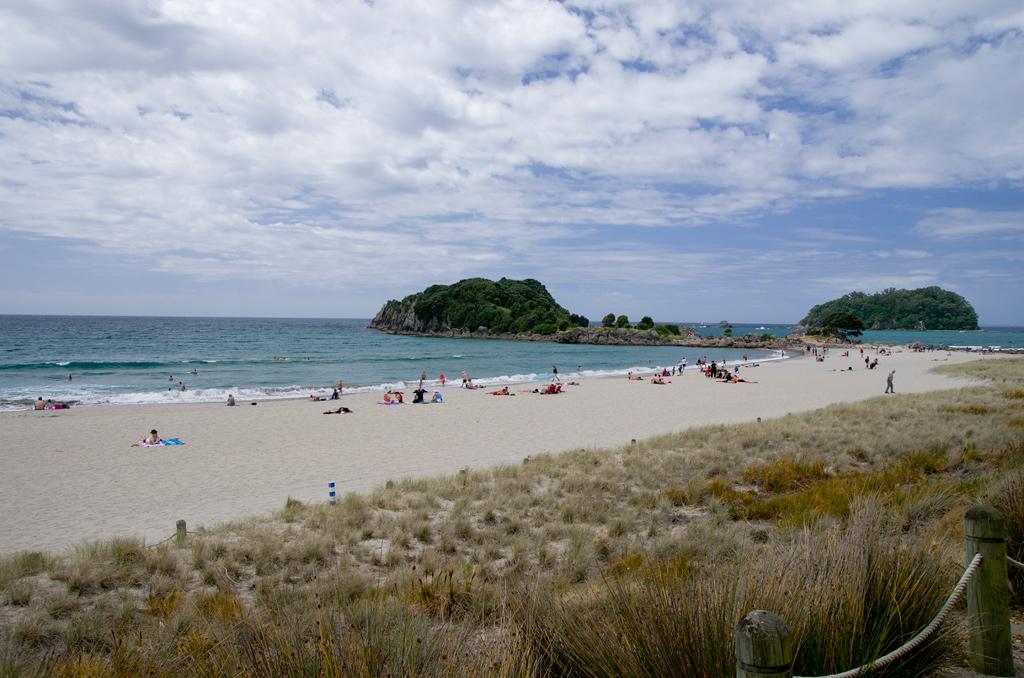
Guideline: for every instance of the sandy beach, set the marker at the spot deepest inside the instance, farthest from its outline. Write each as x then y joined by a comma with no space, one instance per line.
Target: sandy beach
71,476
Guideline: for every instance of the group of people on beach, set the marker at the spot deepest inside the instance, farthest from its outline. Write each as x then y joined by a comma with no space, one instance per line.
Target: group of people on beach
49,404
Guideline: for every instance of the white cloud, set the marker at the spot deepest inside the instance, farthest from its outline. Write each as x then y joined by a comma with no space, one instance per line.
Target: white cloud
238,139
956,222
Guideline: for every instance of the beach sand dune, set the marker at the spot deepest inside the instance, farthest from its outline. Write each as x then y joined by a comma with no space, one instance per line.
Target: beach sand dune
66,477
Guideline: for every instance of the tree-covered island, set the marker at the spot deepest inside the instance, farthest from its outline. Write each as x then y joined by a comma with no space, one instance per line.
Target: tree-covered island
525,310
926,308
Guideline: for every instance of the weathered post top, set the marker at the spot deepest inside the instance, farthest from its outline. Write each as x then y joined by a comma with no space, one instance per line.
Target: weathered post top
985,523
764,646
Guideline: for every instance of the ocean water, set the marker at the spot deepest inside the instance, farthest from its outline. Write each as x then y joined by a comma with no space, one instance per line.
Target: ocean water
127,360
986,337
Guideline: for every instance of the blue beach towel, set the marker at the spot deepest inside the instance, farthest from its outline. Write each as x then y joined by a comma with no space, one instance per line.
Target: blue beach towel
163,442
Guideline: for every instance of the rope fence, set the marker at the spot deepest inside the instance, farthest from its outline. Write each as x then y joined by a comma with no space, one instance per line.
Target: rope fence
162,541
764,645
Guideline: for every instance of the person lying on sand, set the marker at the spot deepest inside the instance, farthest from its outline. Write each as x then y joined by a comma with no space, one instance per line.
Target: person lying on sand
315,398
660,381
340,410
502,391
634,377
153,438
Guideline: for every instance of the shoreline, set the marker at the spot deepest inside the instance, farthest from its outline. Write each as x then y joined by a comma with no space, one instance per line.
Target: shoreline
298,392
71,476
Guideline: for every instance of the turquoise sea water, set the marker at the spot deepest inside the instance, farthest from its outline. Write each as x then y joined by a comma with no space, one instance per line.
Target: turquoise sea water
986,337
142,360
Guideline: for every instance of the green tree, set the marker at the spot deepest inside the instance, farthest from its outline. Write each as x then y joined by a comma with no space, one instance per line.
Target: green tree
500,306
841,325
622,321
645,323
931,308
608,320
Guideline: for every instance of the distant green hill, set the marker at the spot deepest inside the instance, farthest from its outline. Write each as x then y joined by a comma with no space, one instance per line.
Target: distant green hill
927,308
503,306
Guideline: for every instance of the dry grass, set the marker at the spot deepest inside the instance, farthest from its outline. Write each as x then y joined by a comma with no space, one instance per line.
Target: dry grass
420,576
862,592
1008,497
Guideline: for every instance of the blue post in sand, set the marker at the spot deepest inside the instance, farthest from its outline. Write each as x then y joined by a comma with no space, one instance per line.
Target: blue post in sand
330,493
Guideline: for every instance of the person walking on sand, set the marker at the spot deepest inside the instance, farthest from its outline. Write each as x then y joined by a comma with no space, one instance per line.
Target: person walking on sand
888,383
440,378
423,378
554,371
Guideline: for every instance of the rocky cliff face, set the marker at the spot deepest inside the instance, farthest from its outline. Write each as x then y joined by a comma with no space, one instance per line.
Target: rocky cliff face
399,317
619,335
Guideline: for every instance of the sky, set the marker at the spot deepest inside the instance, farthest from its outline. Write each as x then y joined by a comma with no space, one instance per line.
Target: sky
737,159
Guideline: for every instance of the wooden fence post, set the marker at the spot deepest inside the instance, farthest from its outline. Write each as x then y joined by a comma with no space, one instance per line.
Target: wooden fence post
180,533
764,647
988,593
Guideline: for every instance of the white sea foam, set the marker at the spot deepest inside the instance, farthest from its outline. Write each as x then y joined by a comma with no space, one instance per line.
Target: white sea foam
21,399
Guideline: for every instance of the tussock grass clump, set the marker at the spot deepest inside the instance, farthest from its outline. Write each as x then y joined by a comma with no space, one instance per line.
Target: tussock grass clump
22,564
1008,497
221,605
786,473
849,596
970,409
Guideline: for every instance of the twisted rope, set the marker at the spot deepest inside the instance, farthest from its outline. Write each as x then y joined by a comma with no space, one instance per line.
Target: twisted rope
914,642
162,541
1015,563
